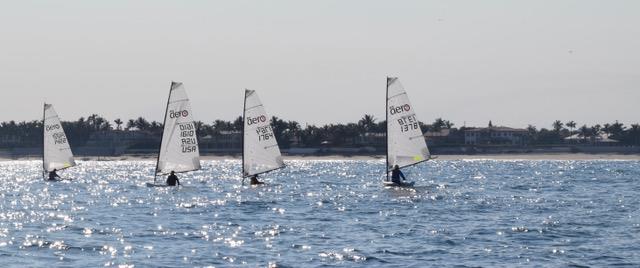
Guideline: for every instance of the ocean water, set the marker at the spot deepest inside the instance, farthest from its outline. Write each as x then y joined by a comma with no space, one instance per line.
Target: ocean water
480,213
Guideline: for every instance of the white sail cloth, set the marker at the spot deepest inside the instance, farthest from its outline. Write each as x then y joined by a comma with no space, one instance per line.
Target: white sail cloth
405,143
260,148
57,152
179,149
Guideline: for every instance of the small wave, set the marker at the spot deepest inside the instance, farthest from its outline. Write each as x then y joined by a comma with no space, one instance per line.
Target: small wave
347,254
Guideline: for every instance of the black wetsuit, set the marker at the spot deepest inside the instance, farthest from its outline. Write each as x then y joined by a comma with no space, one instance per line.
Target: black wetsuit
255,181
395,176
172,180
53,176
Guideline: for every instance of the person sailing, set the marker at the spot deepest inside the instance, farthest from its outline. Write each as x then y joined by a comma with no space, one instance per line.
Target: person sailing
255,181
173,179
396,174
53,176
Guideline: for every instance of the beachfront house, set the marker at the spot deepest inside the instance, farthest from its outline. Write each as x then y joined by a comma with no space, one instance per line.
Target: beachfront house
9,140
598,139
495,136
117,142
440,137
225,141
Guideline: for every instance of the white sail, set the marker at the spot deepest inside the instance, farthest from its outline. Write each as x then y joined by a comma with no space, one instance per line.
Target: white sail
405,144
179,149
57,153
260,148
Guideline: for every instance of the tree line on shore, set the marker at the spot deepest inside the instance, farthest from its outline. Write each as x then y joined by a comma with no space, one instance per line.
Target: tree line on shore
29,133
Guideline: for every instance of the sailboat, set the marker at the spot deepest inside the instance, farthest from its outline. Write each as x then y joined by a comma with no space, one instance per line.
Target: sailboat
260,151
405,143
56,152
179,145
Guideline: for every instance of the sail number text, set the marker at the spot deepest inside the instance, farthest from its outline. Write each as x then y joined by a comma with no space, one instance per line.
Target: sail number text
408,123
58,137
188,139
265,133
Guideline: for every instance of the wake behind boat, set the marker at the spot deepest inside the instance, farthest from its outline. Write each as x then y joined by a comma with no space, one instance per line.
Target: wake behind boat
149,184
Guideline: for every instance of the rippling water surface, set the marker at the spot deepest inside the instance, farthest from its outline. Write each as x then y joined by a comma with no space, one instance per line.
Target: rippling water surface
324,213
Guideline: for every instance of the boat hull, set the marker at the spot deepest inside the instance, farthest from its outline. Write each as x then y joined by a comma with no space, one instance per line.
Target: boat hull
157,185
393,184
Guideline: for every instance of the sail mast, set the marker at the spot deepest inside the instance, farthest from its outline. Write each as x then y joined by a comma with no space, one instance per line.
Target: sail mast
386,119
155,171
44,107
244,111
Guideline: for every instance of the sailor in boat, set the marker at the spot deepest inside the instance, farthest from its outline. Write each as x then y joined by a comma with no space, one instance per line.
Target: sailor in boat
172,179
396,174
255,181
53,176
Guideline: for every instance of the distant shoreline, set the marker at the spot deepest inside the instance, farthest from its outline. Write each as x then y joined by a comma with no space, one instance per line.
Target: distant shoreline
526,156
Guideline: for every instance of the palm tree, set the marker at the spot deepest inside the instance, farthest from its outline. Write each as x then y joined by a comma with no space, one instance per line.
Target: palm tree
282,130
606,128
380,126
596,129
91,120
557,126
634,131
448,124
142,124
367,122
221,125
155,127
532,131
118,123
293,126
352,132
437,125
423,127
130,124
571,124
201,128
585,132
616,129
102,124
238,124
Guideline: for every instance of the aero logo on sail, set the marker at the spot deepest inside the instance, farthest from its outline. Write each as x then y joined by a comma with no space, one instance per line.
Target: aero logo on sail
399,109
52,127
183,113
255,120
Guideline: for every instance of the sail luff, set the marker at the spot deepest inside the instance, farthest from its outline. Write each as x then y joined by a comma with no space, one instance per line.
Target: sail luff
386,118
164,122
44,108
244,112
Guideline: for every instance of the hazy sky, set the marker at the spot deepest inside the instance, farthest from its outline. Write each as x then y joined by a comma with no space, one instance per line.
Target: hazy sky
512,62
